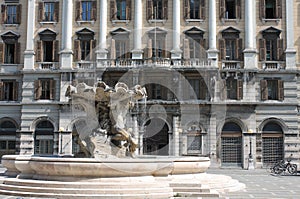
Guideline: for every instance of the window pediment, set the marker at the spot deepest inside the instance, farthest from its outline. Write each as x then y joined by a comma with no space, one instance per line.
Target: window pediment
194,30
271,30
10,36
47,35
230,32
85,34
120,31
157,31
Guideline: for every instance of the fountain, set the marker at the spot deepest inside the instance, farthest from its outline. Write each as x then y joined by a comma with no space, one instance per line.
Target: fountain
111,168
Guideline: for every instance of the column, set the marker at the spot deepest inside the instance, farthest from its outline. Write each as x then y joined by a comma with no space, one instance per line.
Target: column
290,49
135,132
175,135
250,53
66,55
212,52
101,53
137,52
29,52
176,52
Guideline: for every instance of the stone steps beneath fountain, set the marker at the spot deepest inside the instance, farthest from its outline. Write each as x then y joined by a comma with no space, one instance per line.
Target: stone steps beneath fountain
33,188
193,190
79,185
85,196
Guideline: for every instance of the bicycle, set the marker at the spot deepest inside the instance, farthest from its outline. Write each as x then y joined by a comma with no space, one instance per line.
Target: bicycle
282,166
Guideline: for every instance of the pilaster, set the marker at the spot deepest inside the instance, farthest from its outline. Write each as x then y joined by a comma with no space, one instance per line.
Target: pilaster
250,52
29,52
66,55
290,52
176,52
101,53
212,53
137,52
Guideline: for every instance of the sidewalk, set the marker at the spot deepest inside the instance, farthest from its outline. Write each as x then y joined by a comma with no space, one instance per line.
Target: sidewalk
261,184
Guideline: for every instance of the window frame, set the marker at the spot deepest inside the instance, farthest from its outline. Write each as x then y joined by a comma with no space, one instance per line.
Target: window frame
224,10
42,92
151,14
16,20
9,90
277,10
272,89
91,12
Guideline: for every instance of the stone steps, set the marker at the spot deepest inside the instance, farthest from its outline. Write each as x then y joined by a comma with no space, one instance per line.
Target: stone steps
99,190
85,196
114,189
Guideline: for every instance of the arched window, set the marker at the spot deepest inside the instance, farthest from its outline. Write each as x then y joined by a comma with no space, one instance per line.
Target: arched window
7,138
44,134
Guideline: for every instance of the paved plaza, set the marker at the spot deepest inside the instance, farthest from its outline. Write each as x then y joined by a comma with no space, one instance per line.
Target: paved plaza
259,184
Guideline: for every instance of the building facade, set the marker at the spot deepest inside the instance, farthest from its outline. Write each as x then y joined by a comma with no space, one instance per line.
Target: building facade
222,76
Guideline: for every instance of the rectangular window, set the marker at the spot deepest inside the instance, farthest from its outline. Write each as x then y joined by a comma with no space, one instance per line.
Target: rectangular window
8,90
157,9
194,88
9,56
121,9
43,146
49,11
195,48
230,9
272,89
158,47
194,143
86,13
121,49
11,14
45,84
231,85
44,89
270,9
48,51
194,9
85,49
230,49
270,50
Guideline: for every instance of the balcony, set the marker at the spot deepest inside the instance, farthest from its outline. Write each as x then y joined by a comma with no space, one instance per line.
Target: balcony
153,62
84,65
48,65
273,65
231,65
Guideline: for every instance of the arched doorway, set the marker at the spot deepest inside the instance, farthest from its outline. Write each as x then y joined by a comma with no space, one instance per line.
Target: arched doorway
272,143
7,138
156,137
231,145
43,138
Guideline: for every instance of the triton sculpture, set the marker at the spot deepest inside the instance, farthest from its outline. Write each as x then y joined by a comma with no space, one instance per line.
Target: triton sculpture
111,136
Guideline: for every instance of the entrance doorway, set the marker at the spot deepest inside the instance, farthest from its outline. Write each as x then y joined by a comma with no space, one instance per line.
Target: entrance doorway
272,143
156,138
231,145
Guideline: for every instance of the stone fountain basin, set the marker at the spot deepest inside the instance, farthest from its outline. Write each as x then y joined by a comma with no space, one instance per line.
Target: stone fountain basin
65,169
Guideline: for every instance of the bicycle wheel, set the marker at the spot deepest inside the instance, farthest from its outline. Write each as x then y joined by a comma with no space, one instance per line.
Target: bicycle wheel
292,168
277,169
